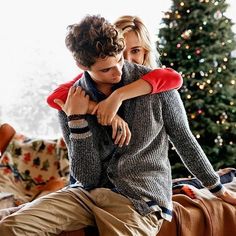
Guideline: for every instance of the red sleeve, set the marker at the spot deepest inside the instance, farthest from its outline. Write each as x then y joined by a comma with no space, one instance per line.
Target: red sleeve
163,79
61,93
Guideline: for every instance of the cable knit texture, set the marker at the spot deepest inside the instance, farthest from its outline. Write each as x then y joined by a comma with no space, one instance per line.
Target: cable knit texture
141,171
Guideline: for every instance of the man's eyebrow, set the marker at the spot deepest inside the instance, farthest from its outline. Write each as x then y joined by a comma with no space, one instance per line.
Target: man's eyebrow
120,59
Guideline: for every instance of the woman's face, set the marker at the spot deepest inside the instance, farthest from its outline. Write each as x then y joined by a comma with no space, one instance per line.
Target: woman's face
134,51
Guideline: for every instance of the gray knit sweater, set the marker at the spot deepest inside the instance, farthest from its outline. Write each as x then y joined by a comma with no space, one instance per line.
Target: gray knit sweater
141,171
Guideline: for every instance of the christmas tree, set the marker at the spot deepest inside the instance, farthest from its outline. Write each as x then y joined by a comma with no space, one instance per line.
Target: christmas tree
197,41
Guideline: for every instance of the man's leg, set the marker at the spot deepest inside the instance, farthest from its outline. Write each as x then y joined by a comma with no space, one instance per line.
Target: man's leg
116,216
8,211
50,215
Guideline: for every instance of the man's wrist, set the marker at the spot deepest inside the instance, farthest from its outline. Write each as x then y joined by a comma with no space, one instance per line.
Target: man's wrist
76,117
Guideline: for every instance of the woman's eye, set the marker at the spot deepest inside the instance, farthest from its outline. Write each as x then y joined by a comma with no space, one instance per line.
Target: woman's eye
134,51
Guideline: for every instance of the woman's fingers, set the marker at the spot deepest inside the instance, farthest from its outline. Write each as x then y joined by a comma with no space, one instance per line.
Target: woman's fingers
95,110
71,90
59,103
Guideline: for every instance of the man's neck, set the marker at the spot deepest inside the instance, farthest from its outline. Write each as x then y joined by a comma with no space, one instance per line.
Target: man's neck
106,89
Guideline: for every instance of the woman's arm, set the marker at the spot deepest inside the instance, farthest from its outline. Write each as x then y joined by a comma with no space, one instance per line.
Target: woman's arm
61,93
163,79
156,81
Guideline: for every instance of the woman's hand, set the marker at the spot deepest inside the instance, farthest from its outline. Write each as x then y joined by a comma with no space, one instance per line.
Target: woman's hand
107,109
77,102
120,131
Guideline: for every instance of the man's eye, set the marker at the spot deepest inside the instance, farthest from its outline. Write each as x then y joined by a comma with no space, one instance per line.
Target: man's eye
105,70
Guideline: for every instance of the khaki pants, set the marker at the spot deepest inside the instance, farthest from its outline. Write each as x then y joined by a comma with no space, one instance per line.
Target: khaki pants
74,208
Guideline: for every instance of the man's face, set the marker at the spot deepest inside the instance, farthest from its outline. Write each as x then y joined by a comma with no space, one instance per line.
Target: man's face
108,70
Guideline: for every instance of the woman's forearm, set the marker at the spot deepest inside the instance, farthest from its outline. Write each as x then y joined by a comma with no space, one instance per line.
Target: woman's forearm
137,88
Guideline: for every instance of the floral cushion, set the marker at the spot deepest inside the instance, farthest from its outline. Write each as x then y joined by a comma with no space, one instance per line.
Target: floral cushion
29,164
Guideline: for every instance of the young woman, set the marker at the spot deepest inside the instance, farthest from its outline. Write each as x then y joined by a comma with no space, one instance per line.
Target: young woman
139,47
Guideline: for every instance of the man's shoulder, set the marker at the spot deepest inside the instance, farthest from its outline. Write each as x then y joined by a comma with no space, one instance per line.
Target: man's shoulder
133,71
133,66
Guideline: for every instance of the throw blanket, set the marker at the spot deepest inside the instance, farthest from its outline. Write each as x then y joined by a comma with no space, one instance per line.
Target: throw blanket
201,215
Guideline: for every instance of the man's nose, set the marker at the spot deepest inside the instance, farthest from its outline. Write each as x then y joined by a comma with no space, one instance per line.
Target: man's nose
117,70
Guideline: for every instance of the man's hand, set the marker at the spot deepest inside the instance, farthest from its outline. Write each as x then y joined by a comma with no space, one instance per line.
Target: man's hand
228,196
120,131
77,102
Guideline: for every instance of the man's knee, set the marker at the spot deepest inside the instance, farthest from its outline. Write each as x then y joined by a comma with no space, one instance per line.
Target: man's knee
9,228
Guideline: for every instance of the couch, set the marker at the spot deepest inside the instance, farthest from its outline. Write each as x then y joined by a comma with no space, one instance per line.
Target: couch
30,168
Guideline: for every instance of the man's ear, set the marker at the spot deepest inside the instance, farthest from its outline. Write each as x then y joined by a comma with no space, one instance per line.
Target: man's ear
84,68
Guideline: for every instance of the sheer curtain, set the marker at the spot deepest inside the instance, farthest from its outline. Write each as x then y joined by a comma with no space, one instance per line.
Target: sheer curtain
31,71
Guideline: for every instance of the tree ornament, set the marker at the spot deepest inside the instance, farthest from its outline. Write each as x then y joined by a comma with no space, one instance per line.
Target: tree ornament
201,60
232,82
223,117
219,140
178,45
167,15
218,85
208,69
197,51
199,112
218,15
186,34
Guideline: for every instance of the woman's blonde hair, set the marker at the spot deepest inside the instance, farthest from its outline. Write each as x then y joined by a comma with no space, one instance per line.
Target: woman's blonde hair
134,23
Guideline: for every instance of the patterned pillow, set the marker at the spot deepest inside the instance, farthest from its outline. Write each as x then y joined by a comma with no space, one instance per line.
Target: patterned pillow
29,164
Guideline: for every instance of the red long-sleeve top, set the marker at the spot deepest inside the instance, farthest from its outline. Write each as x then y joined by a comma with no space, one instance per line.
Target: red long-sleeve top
161,79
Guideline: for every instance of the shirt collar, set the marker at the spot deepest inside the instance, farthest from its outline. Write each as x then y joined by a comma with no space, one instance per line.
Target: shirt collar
89,86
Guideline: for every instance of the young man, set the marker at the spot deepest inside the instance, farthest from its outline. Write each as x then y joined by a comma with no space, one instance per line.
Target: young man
124,191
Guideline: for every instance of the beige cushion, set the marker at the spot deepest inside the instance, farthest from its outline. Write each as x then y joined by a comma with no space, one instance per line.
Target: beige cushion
29,164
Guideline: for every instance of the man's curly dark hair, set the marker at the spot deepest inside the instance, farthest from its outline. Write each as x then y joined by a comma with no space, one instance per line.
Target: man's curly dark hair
94,37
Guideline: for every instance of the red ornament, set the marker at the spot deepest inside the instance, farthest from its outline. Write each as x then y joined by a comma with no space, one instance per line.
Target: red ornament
199,111
178,45
198,51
